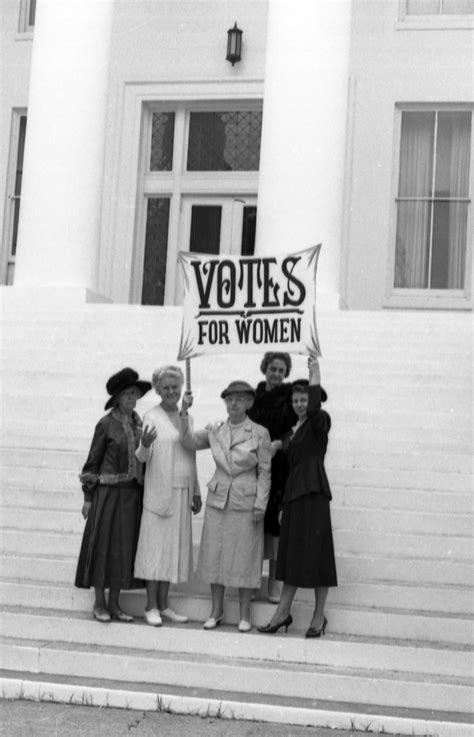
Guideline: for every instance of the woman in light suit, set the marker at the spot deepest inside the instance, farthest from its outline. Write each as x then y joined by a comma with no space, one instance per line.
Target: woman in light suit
231,551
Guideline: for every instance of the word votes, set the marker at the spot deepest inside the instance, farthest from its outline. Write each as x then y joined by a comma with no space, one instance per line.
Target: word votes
257,281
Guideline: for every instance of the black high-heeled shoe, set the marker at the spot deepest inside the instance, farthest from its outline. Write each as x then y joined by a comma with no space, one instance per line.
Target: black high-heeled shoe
270,629
312,632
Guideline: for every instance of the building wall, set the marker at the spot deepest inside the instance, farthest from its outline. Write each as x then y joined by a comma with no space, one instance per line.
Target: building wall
175,50
161,51
389,66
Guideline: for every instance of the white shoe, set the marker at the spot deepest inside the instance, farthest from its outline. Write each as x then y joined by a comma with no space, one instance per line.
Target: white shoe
213,622
244,626
171,616
153,618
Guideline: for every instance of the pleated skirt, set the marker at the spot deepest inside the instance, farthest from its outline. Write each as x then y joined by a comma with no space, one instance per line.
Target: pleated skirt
109,543
165,544
231,551
306,549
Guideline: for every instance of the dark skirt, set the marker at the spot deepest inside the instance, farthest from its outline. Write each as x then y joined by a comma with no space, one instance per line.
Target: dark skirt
279,473
306,549
110,539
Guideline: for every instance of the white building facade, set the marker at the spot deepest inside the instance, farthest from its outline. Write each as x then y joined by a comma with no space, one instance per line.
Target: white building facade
129,137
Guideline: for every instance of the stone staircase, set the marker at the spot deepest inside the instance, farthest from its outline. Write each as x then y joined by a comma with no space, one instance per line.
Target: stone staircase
398,652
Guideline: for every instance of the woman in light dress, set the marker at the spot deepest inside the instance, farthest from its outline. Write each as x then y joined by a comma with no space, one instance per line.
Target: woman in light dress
164,552
231,551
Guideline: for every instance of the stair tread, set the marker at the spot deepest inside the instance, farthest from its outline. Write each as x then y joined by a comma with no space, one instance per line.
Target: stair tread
239,697
242,662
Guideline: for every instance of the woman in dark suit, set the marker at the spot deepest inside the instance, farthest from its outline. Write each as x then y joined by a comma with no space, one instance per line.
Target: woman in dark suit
272,408
306,550
112,482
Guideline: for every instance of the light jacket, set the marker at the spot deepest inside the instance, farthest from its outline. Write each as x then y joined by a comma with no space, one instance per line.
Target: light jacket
242,475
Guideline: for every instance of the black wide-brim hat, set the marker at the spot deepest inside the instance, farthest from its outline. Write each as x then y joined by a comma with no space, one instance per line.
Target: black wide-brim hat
238,387
304,384
124,379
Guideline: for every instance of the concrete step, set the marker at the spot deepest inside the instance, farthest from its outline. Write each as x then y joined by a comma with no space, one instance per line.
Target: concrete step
340,454
236,673
346,541
435,596
376,565
370,397
338,651
345,619
354,519
379,500
232,706
370,472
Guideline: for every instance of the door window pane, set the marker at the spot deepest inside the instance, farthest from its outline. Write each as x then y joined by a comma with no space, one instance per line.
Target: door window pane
205,229
162,139
18,178
224,141
156,249
433,200
249,226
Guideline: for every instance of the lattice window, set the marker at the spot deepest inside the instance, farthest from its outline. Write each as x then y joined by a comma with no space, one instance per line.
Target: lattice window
439,7
224,141
156,251
433,200
162,140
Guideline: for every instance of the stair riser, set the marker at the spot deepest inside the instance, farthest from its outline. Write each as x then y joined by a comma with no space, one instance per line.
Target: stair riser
345,499
346,542
294,649
271,682
26,518
350,567
364,623
396,478
388,595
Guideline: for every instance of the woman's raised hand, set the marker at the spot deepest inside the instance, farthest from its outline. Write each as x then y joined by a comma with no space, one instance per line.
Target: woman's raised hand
314,370
148,436
187,401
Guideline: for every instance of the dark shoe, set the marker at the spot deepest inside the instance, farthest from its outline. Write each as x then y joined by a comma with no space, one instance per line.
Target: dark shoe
101,615
270,629
120,616
312,632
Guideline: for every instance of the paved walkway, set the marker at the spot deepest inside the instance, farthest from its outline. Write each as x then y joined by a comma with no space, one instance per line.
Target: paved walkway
31,719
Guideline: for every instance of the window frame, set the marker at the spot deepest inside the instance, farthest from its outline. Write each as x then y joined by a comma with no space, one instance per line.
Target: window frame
8,257
438,22
405,297
179,183
24,25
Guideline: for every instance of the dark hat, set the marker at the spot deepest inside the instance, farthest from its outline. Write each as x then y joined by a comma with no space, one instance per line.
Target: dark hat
124,379
304,384
236,387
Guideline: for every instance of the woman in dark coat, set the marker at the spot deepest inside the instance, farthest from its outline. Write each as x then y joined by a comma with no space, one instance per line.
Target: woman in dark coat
112,482
306,550
273,409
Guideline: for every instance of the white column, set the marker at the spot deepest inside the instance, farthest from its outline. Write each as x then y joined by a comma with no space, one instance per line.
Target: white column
300,195
64,153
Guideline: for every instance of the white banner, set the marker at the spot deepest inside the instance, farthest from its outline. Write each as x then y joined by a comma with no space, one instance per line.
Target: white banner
235,304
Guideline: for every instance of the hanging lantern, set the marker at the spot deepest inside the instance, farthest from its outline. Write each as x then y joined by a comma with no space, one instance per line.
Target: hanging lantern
234,44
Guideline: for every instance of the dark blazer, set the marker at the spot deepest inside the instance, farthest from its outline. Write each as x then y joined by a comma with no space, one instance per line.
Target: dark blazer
306,452
111,458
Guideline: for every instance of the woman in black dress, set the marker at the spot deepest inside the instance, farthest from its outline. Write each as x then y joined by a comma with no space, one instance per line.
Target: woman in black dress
112,482
273,409
306,550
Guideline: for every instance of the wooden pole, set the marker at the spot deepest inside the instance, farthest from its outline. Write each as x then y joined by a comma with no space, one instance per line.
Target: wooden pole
188,374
